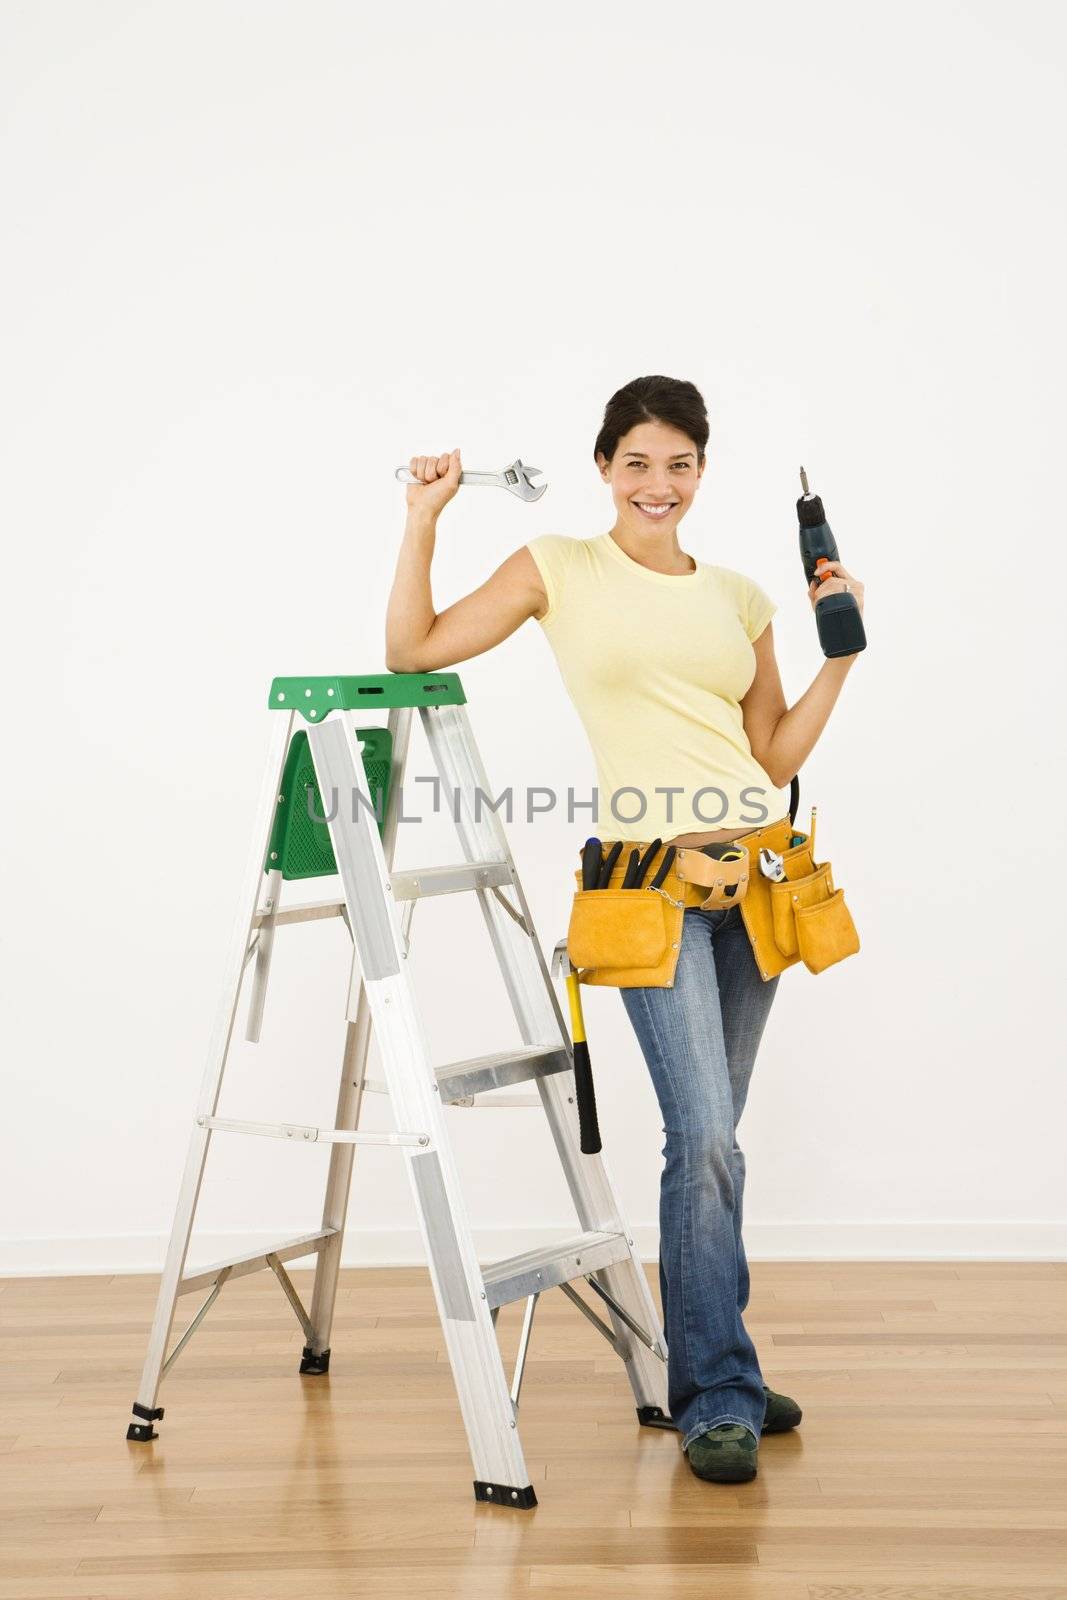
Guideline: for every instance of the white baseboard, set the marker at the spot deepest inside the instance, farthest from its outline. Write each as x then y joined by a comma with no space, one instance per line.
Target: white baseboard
403,1247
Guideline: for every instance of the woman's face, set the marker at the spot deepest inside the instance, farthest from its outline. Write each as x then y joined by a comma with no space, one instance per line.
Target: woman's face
654,465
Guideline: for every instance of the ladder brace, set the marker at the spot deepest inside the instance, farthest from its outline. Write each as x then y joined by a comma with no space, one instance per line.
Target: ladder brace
296,1130
618,1310
291,1295
307,1245
197,1320
524,1344
283,1278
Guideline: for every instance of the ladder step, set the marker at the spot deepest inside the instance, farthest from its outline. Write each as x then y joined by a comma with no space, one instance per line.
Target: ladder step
550,1265
419,882
459,1079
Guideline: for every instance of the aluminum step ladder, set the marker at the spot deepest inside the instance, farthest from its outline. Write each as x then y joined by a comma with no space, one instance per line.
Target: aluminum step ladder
317,750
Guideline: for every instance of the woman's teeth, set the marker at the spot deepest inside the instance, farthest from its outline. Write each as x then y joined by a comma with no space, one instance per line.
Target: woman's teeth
654,511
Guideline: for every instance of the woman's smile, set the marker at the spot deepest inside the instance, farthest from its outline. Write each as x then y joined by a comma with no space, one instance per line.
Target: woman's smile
656,513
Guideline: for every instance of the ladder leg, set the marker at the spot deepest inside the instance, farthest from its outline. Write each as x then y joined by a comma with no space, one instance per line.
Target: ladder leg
264,951
145,1410
470,1335
540,1019
315,1357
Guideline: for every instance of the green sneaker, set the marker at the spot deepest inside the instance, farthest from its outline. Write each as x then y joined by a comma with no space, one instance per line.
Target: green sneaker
724,1454
781,1414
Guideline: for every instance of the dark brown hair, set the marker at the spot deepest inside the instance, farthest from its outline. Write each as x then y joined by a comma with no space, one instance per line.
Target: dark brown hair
673,401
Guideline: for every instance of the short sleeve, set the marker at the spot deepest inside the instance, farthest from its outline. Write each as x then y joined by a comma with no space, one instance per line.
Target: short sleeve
552,553
758,610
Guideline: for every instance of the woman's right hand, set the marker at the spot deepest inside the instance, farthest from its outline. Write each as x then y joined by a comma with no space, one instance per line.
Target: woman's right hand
438,480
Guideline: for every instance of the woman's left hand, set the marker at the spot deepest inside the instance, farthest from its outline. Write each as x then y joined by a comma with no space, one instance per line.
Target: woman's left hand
841,581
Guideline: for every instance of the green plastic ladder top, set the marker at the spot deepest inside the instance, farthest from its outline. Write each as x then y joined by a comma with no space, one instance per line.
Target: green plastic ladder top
300,844
315,698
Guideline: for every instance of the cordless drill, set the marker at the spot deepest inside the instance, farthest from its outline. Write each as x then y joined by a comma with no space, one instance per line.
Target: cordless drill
837,616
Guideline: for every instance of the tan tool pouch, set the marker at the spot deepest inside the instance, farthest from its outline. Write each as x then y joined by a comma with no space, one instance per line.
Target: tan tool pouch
629,938
625,937
804,918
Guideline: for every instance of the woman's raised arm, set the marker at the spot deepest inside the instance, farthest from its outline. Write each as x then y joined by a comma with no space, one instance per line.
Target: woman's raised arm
418,639
781,738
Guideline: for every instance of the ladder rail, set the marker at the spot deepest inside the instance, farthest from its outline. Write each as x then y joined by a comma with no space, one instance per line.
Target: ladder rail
265,923
349,1109
485,1401
211,1084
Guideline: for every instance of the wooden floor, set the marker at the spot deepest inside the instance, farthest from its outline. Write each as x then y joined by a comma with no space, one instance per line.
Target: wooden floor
931,1461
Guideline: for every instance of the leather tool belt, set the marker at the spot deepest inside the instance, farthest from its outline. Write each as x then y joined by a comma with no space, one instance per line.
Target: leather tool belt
630,938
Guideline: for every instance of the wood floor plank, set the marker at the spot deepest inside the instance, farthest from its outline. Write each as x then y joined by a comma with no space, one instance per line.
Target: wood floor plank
931,1463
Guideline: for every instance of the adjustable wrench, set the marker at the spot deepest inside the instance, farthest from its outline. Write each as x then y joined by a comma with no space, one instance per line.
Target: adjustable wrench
515,478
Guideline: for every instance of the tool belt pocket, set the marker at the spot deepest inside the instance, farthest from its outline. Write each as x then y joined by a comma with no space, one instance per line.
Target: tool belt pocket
809,918
825,931
625,938
618,928
801,917
794,894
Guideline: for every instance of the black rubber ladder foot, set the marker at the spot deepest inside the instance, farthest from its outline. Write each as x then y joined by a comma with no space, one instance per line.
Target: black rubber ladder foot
143,1432
655,1417
501,1494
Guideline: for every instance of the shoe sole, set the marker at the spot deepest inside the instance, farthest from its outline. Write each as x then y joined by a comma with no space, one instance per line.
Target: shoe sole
724,1476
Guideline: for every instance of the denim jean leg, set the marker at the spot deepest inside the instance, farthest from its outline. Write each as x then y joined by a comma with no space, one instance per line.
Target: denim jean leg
713,1373
745,1003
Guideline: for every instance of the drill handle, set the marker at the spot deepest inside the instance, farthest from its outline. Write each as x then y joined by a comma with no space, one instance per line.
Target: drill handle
840,625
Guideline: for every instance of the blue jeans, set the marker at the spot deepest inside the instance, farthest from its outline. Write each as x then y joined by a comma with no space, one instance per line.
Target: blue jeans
699,1039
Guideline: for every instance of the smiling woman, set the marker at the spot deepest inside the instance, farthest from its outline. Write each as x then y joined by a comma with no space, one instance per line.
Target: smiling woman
654,499
669,661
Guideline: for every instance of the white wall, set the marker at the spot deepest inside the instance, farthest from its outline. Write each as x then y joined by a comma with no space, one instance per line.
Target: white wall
255,256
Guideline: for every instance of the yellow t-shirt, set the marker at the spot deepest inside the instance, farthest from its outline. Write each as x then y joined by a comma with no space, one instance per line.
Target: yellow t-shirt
656,664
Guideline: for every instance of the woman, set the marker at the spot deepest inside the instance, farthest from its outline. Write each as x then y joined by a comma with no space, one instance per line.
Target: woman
670,664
